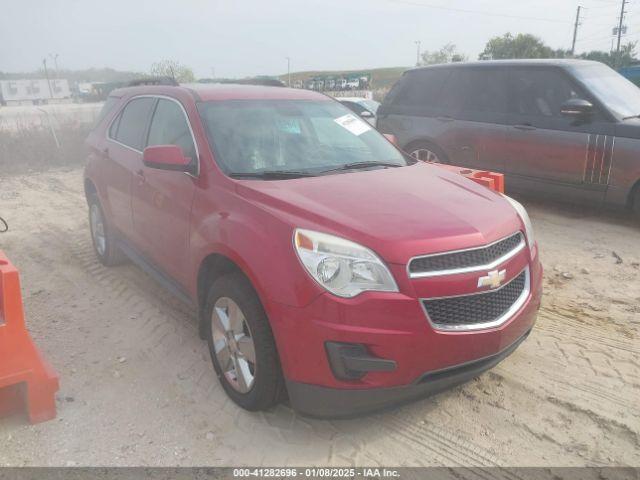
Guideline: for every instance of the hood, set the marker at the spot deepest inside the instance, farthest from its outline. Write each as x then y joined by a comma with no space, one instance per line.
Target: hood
396,212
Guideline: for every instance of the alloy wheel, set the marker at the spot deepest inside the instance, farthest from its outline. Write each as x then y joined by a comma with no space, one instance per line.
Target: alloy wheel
97,230
425,155
233,344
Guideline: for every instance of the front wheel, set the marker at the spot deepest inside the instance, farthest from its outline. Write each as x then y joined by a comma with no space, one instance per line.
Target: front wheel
241,344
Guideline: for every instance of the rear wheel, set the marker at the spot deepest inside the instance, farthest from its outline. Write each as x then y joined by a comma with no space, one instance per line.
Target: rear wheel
635,202
101,235
426,152
241,344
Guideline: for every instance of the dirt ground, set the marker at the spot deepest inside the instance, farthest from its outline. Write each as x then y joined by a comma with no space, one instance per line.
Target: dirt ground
137,386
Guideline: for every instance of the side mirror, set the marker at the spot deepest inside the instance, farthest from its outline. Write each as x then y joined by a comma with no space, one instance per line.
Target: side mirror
392,139
167,157
576,107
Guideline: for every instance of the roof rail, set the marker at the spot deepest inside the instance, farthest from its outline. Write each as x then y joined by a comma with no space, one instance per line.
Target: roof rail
153,81
265,82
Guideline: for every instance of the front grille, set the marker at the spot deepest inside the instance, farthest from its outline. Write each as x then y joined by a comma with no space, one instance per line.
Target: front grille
479,309
480,258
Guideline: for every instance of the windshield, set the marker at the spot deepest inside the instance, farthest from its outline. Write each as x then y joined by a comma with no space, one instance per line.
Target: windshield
616,92
253,136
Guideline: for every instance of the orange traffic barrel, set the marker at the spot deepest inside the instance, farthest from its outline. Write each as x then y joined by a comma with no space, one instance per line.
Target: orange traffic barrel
27,382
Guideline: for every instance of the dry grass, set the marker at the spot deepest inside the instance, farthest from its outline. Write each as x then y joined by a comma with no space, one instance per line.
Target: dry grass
25,148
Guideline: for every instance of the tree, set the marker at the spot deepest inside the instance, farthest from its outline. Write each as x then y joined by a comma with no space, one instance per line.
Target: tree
523,45
447,54
627,56
173,69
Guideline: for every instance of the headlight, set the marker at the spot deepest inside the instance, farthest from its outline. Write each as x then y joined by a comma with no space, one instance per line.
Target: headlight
342,267
522,213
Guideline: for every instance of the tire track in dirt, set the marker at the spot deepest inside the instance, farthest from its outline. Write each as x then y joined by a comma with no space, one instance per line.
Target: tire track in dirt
447,447
557,400
161,324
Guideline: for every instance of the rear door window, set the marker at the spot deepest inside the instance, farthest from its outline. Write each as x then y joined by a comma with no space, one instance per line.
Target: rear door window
420,91
133,121
477,94
169,126
107,107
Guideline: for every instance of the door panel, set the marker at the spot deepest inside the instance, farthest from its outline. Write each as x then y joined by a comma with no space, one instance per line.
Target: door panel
161,212
119,163
477,145
161,200
122,155
545,147
474,101
548,154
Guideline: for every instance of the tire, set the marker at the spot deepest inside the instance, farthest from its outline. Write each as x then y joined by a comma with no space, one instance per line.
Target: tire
635,202
102,237
251,377
438,156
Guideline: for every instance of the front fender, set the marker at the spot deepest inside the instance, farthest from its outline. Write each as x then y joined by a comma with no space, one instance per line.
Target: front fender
625,171
257,241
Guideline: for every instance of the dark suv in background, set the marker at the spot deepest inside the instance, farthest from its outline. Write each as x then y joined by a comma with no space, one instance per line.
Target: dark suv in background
563,128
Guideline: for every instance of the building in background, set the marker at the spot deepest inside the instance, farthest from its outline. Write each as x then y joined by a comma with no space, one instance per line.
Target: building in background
34,91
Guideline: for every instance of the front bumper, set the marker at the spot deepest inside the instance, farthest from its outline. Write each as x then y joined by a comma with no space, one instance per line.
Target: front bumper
325,402
393,327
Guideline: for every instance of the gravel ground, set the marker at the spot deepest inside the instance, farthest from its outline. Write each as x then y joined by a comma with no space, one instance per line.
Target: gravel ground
137,386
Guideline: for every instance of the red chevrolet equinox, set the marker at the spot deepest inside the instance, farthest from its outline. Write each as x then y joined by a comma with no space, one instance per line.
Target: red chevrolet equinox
326,265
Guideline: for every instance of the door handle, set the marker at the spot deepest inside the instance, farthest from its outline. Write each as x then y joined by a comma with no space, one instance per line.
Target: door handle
444,119
524,126
141,178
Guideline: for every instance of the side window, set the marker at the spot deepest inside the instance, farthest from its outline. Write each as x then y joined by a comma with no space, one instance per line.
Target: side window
422,88
108,105
169,127
539,93
487,92
113,129
132,122
474,90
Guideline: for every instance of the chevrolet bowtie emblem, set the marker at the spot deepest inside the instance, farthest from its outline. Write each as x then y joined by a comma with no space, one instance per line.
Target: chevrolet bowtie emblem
493,279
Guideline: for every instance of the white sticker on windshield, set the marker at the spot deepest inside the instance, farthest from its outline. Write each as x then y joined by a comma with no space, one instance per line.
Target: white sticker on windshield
353,124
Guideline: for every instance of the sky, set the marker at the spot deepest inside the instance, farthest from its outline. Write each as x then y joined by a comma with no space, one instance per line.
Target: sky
238,38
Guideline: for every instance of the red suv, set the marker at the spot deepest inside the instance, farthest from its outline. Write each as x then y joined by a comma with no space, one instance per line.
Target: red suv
324,263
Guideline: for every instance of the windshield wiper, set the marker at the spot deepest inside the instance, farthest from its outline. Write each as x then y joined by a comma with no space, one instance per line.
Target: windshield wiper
272,174
356,165
631,116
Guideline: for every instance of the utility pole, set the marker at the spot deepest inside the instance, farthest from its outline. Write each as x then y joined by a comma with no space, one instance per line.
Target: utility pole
417,42
288,72
575,31
54,57
622,12
46,74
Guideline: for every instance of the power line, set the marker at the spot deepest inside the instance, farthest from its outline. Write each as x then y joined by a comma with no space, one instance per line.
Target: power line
478,12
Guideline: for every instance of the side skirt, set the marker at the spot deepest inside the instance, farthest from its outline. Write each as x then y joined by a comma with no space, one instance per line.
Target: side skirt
155,272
